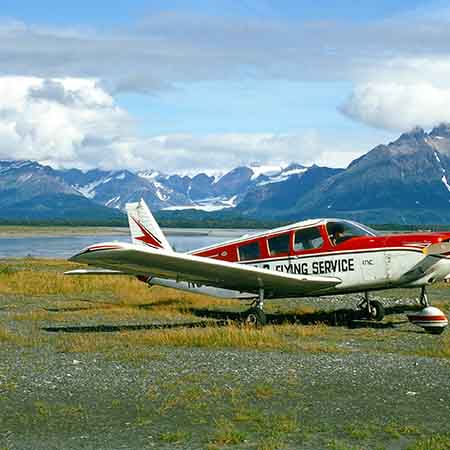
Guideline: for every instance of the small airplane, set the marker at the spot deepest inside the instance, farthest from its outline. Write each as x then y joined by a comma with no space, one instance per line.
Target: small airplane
310,258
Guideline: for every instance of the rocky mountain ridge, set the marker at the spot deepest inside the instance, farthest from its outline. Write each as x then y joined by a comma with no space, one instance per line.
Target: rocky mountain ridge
175,192
405,181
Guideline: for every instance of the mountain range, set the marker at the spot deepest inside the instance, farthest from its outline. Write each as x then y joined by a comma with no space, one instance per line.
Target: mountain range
405,181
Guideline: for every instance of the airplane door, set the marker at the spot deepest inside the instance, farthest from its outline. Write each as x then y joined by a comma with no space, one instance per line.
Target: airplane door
374,266
400,262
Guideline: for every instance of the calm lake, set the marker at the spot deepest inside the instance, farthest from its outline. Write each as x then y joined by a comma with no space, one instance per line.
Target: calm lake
66,246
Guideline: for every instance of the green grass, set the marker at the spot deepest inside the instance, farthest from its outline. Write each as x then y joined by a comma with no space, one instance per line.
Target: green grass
35,292
226,433
436,442
174,437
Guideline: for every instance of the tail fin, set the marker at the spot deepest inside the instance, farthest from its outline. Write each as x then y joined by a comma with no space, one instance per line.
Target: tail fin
144,228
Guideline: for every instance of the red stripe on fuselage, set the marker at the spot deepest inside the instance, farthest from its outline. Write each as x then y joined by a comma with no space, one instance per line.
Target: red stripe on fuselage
409,242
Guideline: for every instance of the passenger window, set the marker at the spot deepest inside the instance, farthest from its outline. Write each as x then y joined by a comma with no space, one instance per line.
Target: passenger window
279,244
307,239
248,252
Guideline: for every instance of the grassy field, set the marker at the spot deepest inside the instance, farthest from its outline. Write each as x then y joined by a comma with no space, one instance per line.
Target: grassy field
156,368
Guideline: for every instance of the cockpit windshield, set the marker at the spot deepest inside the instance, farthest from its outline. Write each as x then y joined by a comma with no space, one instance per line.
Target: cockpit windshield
341,231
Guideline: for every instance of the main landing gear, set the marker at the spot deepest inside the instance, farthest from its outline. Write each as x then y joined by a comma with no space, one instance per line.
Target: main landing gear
373,309
255,316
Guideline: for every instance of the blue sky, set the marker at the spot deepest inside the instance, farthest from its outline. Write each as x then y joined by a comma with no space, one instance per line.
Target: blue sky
101,12
316,82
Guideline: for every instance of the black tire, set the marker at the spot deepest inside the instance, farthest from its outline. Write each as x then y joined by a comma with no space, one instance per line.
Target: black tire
376,310
255,317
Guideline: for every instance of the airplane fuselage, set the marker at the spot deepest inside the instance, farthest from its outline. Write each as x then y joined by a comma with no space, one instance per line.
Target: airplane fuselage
363,263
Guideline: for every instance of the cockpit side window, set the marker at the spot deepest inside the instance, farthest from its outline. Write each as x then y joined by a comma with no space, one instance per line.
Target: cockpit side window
342,231
307,239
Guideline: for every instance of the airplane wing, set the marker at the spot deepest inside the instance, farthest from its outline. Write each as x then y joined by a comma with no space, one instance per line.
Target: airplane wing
146,261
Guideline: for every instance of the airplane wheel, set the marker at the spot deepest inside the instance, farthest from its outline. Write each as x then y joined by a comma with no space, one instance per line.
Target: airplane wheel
255,317
376,310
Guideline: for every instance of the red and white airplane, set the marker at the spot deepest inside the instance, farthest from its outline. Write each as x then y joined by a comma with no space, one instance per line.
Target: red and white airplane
310,258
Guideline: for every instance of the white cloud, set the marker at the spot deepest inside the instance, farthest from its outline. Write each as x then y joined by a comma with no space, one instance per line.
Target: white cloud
216,152
66,122
433,69
75,123
398,106
401,93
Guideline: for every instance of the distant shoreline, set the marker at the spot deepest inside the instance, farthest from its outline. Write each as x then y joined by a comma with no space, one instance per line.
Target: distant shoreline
22,231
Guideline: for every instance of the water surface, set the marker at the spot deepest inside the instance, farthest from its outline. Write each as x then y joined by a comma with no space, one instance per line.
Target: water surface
66,246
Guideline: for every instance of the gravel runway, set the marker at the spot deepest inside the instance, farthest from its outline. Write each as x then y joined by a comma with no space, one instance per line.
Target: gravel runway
98,399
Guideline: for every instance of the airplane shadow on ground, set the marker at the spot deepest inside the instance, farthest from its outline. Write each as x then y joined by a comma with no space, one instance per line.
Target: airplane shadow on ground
137,327
350,318
341,317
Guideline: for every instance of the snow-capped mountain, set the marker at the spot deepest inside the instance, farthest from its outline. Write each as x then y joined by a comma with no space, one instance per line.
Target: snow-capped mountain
405,181
33,192
174,192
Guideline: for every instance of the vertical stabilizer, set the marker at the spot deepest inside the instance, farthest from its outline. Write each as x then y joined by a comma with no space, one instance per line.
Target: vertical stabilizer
143,227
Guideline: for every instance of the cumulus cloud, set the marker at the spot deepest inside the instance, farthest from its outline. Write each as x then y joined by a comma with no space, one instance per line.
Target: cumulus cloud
398,106
51,90
401,93
188,153
63,122
74,122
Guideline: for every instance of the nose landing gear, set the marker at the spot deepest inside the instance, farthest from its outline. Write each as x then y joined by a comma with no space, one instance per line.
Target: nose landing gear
431,319
423,299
